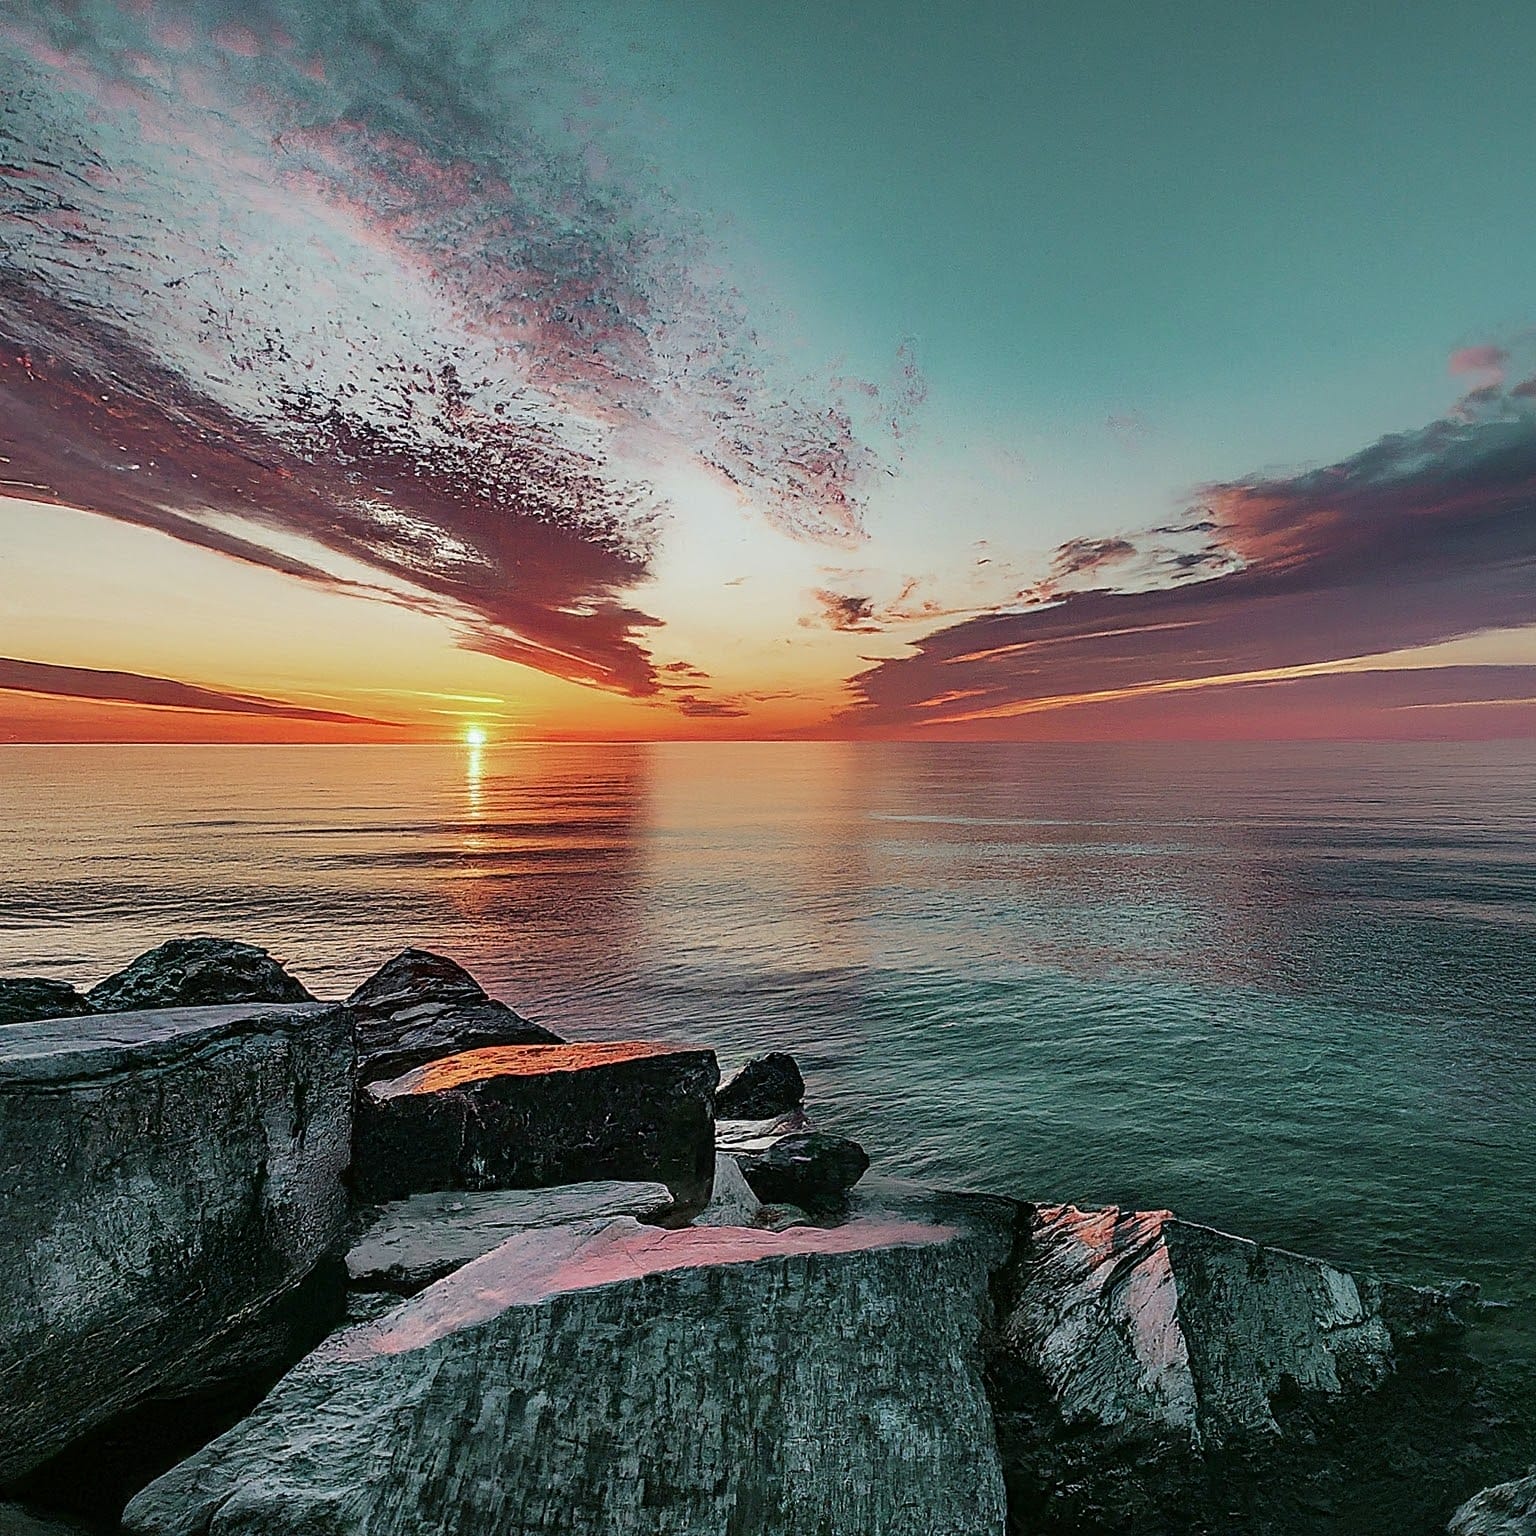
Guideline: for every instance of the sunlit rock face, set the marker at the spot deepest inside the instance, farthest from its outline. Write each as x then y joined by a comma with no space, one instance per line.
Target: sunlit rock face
523,1117
191,973
1146,1369
1509,1509
420,1006
169,1181
615,1378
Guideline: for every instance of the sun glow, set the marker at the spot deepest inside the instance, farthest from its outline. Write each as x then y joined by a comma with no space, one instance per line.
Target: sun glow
474,736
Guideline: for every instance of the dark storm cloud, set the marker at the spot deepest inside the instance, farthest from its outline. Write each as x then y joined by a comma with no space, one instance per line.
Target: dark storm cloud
1422,537
162,692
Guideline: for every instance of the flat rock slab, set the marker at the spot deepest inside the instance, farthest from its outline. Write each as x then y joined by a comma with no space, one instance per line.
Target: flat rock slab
416,1241
169,1179
616,1378
524,1117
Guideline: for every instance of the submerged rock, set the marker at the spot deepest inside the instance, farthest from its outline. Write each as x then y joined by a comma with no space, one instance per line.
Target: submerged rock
616,1378
1508,1509
416,1241
420,1006
523,1117
769,1085
810,1169
188,973
169,1180
25,999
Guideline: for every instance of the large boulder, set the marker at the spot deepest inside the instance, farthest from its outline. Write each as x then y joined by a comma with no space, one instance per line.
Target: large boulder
190,973
769,1085
616,1378
522,1117
807,1168
411,1243
420,1006
1508,1509
1151,1374
28,998
169,1180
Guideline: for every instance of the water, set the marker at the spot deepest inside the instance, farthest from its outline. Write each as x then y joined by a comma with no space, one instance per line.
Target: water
1287,990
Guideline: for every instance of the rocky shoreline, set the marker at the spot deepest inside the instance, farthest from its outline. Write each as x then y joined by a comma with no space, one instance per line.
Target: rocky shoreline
410,1262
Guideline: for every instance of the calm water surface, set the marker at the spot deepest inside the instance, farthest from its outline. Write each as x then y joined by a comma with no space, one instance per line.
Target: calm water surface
1288,990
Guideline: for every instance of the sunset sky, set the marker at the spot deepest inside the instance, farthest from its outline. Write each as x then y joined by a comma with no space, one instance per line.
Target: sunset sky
379,372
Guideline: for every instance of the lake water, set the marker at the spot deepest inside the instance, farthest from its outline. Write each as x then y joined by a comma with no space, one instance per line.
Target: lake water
1287,990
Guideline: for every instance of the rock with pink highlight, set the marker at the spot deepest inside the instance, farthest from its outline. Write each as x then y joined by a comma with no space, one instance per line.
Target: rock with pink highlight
609,1377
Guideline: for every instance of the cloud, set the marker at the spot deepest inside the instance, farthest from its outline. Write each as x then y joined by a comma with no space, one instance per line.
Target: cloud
1079,555
1420,538
1481,359
384,284
709,709
845,612
159,692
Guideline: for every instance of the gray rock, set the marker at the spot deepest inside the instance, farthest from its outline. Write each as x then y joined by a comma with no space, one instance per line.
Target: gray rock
189,973
27,998
16,1521
809,1168
615,1378
1508,1509
768,1085
169,1180
414,1242
731,1201
420,1006
523,1117
743,1136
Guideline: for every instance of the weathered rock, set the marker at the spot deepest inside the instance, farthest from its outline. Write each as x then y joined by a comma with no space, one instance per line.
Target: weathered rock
742,1136
1508,1509
25,999
414,1242
420,1006
16,1521
615,1378
1151,1374
769,1085
169,1180
526,1116
731,1201
190,973
809,1169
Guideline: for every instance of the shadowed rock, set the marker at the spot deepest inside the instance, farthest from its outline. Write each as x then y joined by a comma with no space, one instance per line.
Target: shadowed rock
810,1169
1508,1509
523,1117
417,1241
30,998
767,1384
169,1179
420,1006
190,973
16,1521
770,1085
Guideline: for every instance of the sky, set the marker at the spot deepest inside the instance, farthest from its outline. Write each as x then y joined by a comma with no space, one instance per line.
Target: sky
381,371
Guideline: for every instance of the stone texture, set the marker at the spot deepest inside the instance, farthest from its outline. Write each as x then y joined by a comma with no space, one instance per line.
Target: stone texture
742,1136
809,1168
420,1006
24,999
189,973
16,1521
1148,1373
416,1241
1508,1509
522,1117
768,1085
731,1201
169,1179
615,1378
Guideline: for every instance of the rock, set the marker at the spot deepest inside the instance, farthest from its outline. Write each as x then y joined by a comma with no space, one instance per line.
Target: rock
742,1136
731,1201
1509,1509
420,1006
809,1169
16,1521
169,1180
25,999
414,1242
527,1116
1151,1373
615,1378
189,973
770,1085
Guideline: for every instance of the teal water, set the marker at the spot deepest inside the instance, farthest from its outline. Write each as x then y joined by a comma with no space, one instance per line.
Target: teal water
1287,990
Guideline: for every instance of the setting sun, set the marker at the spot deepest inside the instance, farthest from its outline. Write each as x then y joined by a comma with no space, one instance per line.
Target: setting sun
474,736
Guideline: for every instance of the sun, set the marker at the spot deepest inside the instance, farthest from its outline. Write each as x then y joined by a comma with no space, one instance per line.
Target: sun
474,736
